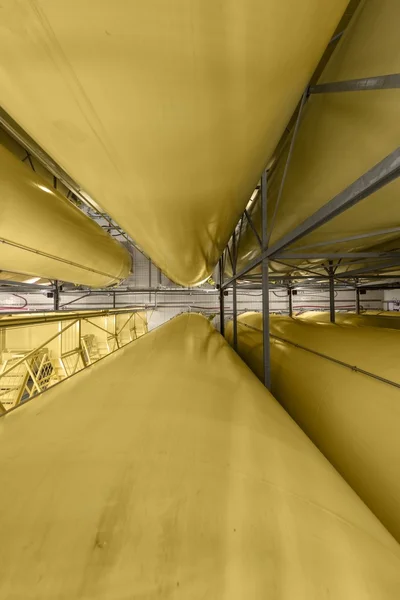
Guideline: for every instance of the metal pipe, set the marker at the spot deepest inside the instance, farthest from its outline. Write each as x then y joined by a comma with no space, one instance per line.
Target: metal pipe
357,300
331,293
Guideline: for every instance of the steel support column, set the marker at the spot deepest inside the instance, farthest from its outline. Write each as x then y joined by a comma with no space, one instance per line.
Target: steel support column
234,290
331,293
221,296
265,284
56,296
357,300
290,301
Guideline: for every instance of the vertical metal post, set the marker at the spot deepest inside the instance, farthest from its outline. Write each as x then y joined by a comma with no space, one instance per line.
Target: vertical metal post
234,291
149,282
113,299
265,284
80,345
221,296
115,331
290,301
56,296
357,300
331,293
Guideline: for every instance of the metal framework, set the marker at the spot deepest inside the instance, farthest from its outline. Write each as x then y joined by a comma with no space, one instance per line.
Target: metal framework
386,171
26,373
372,274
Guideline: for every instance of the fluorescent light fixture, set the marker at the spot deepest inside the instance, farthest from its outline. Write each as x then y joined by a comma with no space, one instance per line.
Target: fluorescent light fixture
45,189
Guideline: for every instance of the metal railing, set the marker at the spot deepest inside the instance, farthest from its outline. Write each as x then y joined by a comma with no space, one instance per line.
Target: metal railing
27,373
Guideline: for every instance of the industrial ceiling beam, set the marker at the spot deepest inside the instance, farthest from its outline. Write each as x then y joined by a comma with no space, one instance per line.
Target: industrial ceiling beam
365,84
379,267
386,171
350,238
335,255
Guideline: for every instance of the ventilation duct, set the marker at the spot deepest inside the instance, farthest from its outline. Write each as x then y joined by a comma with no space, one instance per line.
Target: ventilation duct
164,112
43,235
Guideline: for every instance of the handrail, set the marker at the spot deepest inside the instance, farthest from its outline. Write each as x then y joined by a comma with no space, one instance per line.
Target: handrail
38,319
35,350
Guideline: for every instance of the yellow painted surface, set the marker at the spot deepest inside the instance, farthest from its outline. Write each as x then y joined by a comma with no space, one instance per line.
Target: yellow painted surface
43,234
164,112
354,419
168,471
342,136
6,275
29,331
387,319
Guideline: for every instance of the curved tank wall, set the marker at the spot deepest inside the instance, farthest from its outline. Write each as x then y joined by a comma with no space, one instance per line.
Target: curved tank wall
42,234
353,418
164,112
194,484
341,136
387,319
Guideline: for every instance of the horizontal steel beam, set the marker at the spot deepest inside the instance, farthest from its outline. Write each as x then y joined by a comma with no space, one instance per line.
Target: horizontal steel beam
350,238
373,180
376,267
335,255
365,84
25,318
380,175
28,287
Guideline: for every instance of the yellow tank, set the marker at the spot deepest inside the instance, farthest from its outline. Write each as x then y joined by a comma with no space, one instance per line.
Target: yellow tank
42,234
164,112
352,417
192,483
341,136
386,319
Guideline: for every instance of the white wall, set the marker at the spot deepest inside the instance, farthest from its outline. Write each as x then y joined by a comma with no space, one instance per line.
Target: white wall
172,300
391,300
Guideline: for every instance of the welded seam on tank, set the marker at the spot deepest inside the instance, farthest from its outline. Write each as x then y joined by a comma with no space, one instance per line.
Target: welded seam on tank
58,258
335,360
